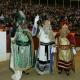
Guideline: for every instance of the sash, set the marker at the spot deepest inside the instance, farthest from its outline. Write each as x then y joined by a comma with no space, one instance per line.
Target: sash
46,46
21,43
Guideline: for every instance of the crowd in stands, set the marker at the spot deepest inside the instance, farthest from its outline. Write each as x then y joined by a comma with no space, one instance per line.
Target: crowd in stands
56,15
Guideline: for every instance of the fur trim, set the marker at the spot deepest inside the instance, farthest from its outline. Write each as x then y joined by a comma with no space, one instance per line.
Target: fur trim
22,14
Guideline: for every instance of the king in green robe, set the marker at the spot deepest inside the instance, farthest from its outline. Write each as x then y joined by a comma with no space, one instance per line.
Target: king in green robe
21,51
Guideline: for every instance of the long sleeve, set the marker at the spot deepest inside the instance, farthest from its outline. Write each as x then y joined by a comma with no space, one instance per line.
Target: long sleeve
13,31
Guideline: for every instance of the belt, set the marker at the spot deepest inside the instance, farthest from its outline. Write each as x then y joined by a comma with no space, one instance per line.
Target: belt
45,44
64,47
21,43
46,47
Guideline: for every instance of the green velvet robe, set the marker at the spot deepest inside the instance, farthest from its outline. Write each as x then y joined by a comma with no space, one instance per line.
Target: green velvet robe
22,50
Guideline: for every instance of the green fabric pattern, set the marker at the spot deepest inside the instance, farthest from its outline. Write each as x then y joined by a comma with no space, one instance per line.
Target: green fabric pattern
23,54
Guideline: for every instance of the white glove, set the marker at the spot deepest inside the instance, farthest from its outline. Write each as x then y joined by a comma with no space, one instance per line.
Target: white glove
74,50
36,19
